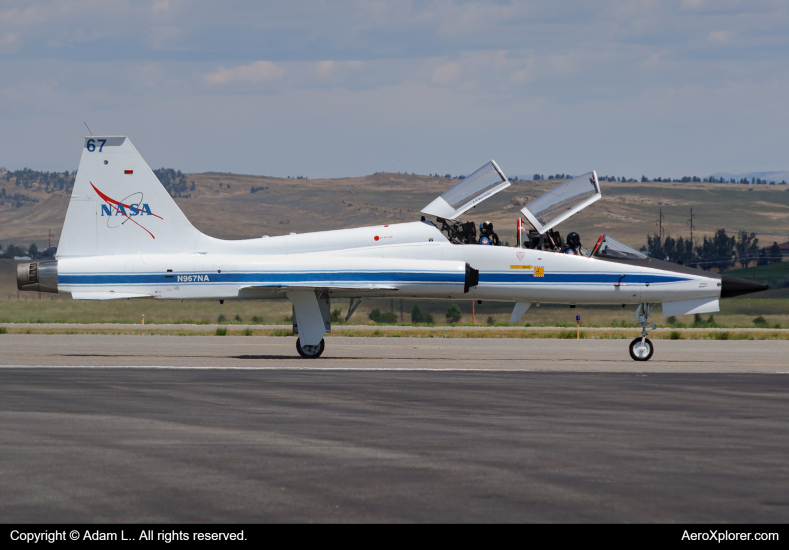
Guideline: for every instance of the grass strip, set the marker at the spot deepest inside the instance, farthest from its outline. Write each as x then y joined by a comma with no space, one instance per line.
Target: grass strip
404,332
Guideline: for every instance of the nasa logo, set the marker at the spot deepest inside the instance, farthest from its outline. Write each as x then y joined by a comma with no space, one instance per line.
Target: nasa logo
125,209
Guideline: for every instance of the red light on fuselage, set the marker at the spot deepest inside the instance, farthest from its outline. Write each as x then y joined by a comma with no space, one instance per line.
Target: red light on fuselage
128,171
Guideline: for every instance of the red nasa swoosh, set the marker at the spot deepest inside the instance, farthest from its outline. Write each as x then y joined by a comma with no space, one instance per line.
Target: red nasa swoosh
114,204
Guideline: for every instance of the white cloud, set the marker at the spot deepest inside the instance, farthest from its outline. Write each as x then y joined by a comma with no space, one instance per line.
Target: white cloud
9,42
447,73
259,71
720,37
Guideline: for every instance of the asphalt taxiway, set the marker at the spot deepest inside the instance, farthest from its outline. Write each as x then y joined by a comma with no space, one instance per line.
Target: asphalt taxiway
166,428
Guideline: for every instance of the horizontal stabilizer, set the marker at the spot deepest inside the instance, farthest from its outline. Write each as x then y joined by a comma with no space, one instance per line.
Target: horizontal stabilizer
107,295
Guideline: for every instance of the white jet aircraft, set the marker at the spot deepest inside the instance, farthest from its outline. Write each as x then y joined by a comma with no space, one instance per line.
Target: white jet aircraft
125,237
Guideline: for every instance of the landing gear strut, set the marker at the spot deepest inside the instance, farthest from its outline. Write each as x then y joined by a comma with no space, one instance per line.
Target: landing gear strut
310,352
641,349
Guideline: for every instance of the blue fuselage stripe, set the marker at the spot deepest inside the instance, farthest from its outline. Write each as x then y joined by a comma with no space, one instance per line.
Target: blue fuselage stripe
318,278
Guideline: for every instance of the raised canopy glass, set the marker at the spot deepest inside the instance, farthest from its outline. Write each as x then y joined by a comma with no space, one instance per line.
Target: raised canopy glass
468,192
561,202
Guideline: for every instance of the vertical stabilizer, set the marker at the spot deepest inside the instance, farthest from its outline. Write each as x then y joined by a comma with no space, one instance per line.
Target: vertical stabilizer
118,206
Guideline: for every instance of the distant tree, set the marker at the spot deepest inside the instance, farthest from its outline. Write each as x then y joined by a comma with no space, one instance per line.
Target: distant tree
453,314
418,316
670,250
767,255
747,247
717,252
387,317
33,251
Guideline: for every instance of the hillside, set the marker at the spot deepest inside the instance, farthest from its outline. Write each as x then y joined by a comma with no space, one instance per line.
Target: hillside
223,205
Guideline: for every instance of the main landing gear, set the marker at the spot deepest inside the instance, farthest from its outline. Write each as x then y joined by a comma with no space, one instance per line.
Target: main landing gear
310,352
641,349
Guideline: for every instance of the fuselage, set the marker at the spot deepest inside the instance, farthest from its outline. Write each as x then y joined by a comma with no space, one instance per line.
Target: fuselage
397,260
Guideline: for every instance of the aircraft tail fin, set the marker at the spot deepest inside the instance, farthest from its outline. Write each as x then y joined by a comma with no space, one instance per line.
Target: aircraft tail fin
118,206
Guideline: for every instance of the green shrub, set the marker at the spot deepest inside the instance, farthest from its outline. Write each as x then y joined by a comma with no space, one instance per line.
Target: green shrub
418,316
675,335
221,331
257,319
3,330
247,332
491,321
569,335
721,336
387,317
672,321
238,318
336,316
760,321
221,318
453,314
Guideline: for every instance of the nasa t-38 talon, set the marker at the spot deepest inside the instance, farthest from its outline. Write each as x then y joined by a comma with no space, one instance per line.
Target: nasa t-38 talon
124,237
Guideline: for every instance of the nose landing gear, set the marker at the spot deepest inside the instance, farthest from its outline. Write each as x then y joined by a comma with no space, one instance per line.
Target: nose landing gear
641,349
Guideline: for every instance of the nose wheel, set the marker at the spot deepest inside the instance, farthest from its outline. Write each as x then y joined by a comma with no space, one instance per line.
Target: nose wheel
310,352
641,349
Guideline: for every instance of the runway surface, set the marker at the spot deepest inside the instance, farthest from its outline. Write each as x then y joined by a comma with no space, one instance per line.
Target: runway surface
155,428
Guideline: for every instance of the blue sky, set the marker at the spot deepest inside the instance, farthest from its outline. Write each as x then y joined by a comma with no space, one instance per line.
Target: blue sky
345,88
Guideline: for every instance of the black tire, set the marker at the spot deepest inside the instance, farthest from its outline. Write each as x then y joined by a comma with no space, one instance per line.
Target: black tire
641,356
306,355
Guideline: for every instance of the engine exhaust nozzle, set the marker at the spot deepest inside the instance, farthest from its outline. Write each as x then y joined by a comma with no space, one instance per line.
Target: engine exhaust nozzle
37,276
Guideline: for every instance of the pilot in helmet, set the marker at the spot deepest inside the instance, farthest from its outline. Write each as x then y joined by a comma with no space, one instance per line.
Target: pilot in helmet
573,241
486,230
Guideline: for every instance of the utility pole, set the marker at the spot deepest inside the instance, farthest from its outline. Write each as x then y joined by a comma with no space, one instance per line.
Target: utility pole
690,222
659,223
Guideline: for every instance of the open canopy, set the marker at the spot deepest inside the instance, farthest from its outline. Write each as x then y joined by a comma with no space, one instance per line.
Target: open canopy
561,202
468,192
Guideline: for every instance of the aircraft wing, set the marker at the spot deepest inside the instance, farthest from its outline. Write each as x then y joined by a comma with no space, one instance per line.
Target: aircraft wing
345,290
109,295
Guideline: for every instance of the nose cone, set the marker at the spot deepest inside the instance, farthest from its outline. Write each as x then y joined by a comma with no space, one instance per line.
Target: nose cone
734,286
